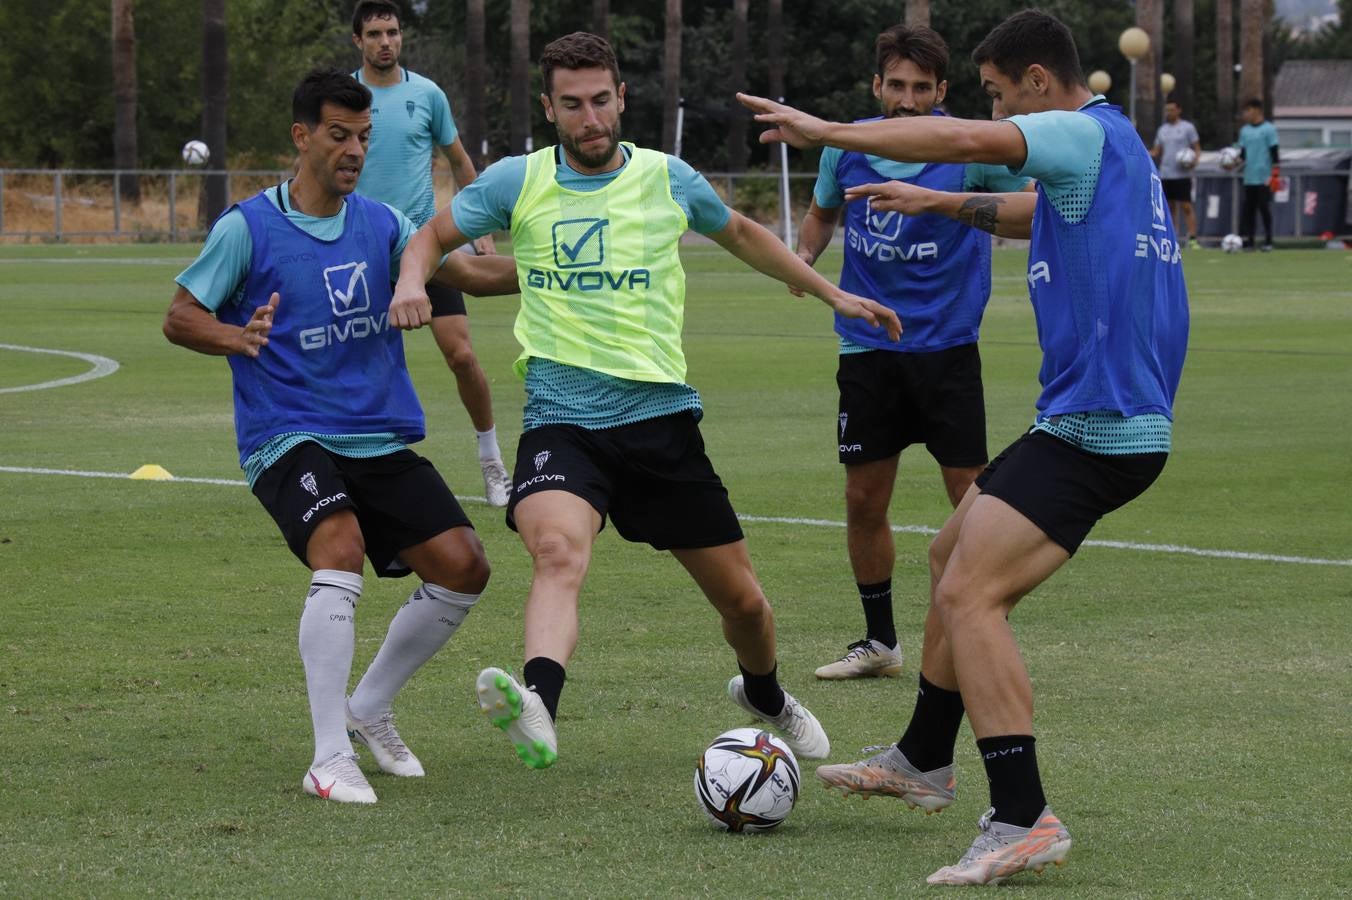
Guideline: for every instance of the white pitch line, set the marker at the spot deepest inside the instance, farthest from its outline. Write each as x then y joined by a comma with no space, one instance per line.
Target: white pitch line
816,523
102,366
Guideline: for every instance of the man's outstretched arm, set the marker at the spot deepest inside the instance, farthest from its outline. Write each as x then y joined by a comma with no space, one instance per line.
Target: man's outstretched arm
911,139
1006,215
762,251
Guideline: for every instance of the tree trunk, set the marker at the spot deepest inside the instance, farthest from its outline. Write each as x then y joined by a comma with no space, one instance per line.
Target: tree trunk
1184,39
1252,24
475,128
601,18
737,149
774,47
520,75
1225,71
125,155
215,72
1149,16
1269,75
917,13
671,74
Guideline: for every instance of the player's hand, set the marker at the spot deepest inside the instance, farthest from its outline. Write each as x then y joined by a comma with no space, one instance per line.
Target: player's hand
797,129
870,311
254,334
891,196
410,308
1275,182
807,258
484,246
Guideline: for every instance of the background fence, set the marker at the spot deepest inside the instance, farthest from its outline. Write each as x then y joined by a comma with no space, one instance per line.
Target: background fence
38,205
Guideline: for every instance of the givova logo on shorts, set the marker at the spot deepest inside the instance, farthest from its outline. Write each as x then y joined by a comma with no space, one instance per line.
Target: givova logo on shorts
540,459
579,254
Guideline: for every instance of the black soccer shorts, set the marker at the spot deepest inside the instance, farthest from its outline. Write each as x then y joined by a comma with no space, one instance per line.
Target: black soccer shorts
652,478
399,499
1064,490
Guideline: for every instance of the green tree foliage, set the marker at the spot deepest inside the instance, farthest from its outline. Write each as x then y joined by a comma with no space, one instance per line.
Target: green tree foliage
57,98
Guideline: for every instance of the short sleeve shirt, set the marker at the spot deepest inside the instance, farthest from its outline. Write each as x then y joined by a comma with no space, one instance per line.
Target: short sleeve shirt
1171,139
217,275
1257,142
1065,151
409,120
486,205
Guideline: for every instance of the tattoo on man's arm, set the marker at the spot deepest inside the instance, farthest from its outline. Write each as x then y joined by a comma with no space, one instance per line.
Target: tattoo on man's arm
981,212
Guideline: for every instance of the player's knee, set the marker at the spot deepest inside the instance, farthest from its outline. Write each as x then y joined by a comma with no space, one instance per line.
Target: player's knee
955,599
336,548
559,559
460,358
474,571
865,505
746,612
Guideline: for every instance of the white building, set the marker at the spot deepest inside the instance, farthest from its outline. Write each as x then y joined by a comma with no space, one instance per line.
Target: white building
1312,103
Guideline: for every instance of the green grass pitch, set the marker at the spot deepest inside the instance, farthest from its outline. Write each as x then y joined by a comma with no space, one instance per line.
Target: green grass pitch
1194,712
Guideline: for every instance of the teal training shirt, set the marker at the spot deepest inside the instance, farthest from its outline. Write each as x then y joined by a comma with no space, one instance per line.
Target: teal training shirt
1257,142
409,120
217,277
558,394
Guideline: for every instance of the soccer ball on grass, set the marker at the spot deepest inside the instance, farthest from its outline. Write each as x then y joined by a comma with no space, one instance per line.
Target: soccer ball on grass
747,780
1232,243
195,153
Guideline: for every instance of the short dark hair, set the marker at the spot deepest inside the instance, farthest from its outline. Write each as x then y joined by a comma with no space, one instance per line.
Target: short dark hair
1254,103
920,44
579,50
373,9
327,85
1027,38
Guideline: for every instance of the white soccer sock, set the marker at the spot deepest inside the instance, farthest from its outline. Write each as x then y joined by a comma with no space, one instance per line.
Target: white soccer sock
327,636
488,444
420,628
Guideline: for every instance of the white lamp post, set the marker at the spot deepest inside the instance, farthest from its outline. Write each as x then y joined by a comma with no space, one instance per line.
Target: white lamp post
1100,81
1134,44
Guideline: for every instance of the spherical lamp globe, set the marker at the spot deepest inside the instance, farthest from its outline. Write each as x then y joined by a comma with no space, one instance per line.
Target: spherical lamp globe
1134,43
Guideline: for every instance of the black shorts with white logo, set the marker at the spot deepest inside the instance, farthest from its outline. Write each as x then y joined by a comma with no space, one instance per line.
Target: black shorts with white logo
399,499
890,400
652,478
1177,190
1064,490
446,301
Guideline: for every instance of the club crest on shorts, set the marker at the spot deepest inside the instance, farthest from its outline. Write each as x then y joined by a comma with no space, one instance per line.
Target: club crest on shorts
540,459
308,482
844,418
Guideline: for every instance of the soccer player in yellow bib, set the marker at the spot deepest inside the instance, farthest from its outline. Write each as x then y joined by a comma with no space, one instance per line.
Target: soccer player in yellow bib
610,427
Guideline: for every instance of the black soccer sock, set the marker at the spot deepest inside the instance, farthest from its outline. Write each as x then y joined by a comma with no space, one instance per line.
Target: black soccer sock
877,601
929,739
545,676
763,691
1016,786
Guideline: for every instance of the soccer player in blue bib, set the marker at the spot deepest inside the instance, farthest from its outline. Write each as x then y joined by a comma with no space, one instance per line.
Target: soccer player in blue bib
610,428
294,286
1106,282
935,273
410,117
